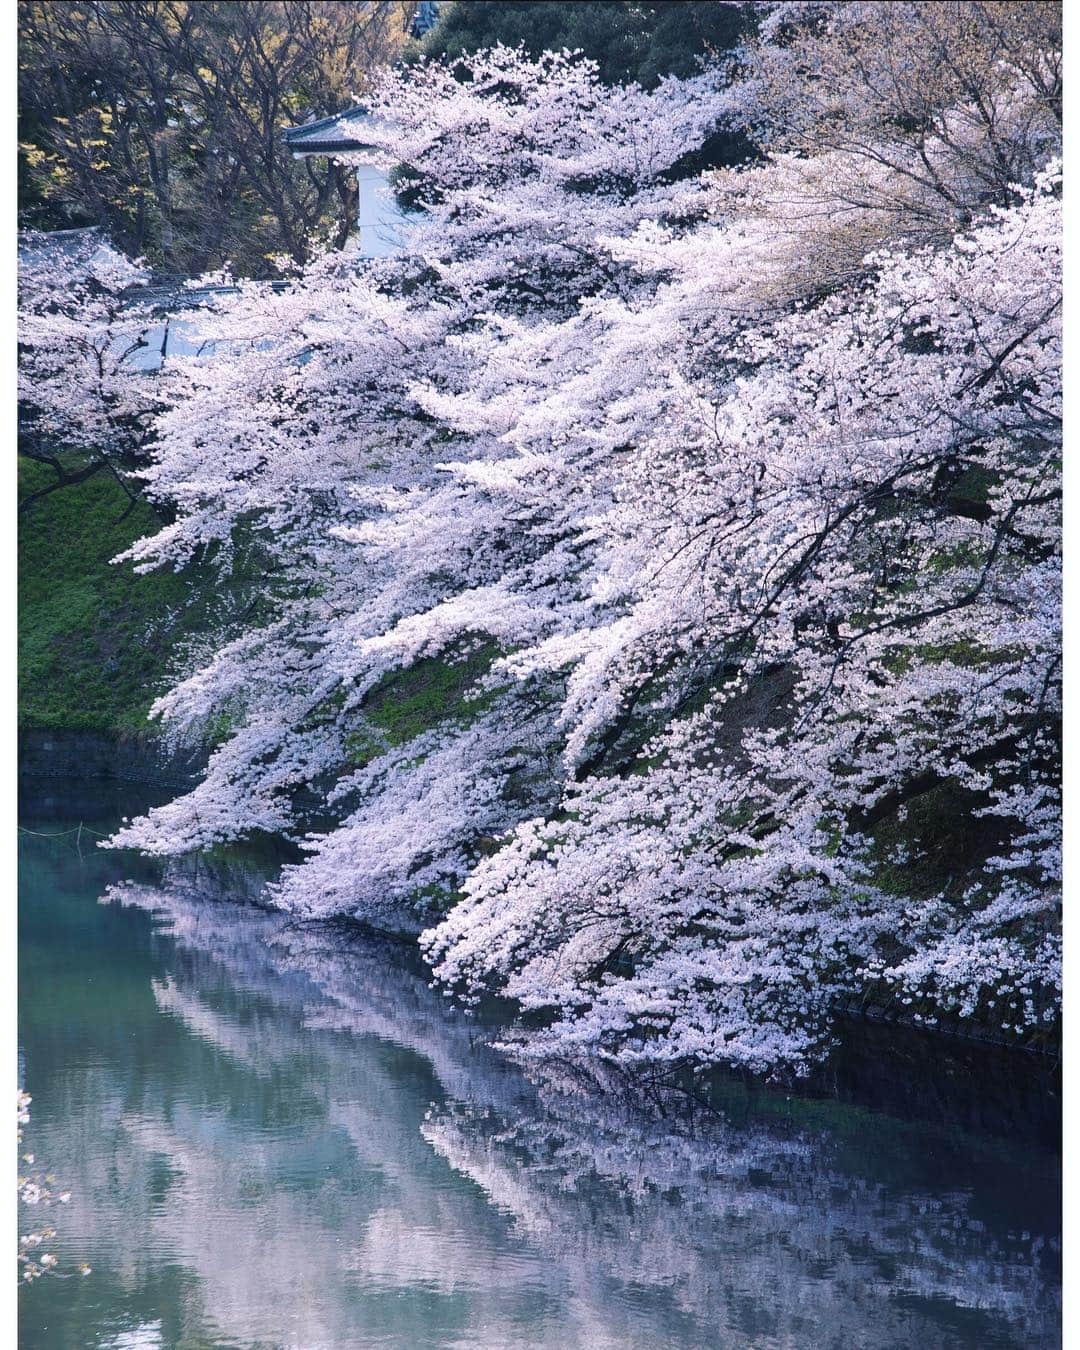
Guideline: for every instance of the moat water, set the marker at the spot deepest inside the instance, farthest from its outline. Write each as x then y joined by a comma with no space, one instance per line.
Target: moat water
280,1136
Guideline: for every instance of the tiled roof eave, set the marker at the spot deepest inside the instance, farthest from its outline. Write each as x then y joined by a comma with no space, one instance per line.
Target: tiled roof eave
326,147
321,134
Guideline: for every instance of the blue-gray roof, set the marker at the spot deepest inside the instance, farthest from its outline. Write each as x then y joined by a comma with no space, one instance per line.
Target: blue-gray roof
329,134
85,243
343,131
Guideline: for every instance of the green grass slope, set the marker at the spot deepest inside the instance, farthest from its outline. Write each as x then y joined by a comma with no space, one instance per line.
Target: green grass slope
95,639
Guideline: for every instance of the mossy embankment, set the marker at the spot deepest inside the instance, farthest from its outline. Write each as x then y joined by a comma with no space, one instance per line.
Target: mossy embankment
97,641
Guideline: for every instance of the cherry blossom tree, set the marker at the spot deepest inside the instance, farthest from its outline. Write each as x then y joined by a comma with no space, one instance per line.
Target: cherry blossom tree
341,475
724,507
85,325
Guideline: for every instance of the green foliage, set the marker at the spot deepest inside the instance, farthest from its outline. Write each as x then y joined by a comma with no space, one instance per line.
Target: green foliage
94,639
941,842
98,642
630,41
432,691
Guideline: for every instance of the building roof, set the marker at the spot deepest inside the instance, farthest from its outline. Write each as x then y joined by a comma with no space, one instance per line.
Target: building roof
344,131
87,244
329,135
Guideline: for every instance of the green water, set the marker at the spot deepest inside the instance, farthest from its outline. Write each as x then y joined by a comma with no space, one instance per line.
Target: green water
278,1136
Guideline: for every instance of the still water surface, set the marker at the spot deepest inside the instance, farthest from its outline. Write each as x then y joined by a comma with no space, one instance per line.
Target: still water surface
281,1137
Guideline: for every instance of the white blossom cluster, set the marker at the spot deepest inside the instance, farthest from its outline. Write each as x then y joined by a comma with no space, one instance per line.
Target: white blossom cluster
85,321
36,1188
736,495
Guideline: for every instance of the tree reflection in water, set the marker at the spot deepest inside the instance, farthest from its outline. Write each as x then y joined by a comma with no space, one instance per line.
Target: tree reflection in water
334,1156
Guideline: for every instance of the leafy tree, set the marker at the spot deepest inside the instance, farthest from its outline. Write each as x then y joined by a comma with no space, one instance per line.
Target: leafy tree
630,40
161,120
